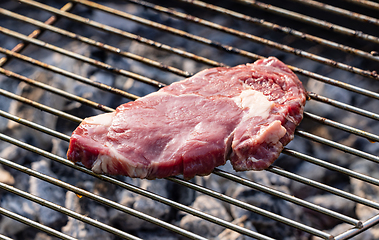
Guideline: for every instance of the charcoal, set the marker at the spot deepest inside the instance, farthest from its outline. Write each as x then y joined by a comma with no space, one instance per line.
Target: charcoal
203,227
79,229
176,192
48,192
141,204
20,206
334,203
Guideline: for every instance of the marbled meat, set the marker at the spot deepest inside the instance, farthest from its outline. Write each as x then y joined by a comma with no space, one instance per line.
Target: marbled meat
246,114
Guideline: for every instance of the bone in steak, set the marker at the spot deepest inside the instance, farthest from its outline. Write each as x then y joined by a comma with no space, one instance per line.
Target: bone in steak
247,114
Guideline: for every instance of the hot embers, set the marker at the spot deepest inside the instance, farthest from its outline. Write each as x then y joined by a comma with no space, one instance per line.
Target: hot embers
247,114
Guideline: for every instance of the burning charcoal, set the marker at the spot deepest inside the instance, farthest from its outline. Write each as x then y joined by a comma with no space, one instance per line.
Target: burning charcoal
228,234
78,229
142,204
334,203
19,206
200,226
48,192
270,203
364,189
310,171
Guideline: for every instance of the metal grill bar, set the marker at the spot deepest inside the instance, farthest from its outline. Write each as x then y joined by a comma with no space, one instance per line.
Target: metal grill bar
56,207
251,37
2,237
35,126
311,20
365,3
94,43
323,187
338,146
269,25
129,187
331,166
92,196
68,74
40,106
354,231
36,33
254,56
251,208
287,197
343,106
369,136
340,11
279,46
119,32
352,221
34,224
220,196
79,57
54,90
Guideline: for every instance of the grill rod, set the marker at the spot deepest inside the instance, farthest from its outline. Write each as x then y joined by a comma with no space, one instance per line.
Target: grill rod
261,188
40,106
108,67
80,57
358,132
354,231
295,69
263,23
340,11
218,172
365,3
121,33
69,74
187,184
331,166
95,197
343,106
54,90
92,42
2,237
19,47
311,20
56,207
134,189
206,41
34,224
369,136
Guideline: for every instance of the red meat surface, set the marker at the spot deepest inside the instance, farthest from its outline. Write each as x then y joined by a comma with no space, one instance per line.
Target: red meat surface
246,114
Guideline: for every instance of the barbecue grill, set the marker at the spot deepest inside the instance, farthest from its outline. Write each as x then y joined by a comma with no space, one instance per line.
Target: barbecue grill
87,57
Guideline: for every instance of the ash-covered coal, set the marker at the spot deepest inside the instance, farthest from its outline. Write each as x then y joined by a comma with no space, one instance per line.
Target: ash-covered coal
166,188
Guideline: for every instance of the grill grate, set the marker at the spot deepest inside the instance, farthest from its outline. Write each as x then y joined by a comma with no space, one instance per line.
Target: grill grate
269,45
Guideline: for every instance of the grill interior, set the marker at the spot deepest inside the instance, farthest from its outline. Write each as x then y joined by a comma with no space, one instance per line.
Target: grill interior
63,61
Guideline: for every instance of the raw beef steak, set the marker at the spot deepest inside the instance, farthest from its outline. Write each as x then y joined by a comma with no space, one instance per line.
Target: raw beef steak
247,114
